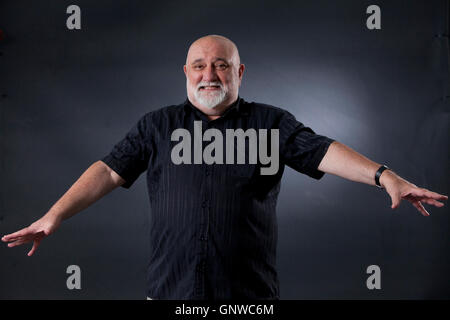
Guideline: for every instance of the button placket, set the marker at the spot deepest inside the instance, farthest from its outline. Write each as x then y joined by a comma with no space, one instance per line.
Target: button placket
205,204
204,229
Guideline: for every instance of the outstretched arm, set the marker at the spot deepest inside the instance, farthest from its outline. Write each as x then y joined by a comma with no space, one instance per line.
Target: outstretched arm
94,183
344,162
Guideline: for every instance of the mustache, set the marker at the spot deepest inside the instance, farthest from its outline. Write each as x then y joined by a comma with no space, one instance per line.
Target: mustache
209,84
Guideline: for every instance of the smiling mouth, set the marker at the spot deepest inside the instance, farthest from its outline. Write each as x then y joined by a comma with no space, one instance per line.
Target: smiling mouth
209,88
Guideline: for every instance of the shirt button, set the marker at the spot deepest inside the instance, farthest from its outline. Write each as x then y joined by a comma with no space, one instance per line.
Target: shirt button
204,204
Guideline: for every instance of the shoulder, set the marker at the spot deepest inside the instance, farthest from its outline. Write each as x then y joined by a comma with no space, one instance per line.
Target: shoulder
162,114
266,109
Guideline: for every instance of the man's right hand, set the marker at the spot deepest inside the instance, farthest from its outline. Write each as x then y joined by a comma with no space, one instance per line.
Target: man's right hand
33,233
94,183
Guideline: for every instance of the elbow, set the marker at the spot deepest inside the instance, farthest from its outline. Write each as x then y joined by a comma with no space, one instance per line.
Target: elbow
115,179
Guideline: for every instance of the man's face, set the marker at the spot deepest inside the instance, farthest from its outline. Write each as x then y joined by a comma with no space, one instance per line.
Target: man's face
213,74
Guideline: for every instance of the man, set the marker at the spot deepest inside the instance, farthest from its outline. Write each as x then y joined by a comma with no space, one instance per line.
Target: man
213,223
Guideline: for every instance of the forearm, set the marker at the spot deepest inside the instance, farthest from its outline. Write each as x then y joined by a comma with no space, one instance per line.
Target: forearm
94,183
344,162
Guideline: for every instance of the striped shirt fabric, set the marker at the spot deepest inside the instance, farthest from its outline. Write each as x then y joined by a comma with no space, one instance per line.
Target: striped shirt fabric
213,227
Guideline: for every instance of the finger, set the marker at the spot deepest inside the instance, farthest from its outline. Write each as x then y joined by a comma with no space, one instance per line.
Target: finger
19,233
421,208
432,202
12,239
28,237
17,243
35,246
439,196
428,194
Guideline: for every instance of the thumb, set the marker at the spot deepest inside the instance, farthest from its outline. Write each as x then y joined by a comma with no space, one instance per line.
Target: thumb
396,199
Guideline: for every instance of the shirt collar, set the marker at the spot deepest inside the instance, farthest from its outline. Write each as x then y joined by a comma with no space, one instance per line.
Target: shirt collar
235,108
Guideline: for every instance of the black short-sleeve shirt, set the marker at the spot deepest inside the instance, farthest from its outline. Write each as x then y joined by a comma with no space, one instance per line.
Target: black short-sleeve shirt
213,227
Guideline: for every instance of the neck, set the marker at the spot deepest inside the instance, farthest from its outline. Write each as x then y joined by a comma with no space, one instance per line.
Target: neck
213,113
213,117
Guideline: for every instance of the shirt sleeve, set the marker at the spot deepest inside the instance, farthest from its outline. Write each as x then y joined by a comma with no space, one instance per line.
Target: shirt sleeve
301,148
130,156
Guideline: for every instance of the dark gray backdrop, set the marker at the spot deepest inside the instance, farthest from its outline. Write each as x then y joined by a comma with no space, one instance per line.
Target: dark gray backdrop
67,96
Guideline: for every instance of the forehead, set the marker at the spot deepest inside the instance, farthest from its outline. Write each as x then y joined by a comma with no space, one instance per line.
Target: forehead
210,50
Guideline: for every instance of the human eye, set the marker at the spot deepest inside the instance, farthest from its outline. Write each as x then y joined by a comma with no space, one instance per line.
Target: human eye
221,66
198,66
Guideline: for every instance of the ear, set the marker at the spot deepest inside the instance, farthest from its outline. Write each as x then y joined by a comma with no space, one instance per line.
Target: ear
241,72
185,70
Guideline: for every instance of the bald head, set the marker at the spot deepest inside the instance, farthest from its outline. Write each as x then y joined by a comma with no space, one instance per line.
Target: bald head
213,74
226,45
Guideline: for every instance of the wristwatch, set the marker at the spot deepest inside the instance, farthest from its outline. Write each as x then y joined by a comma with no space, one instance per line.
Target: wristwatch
378,175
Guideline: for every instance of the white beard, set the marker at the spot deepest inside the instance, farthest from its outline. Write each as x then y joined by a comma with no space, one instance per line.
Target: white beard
208,99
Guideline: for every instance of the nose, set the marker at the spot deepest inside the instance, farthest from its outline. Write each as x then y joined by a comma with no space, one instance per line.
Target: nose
209,74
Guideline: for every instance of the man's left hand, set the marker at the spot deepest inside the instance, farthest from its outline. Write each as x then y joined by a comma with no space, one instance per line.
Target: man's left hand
399,189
